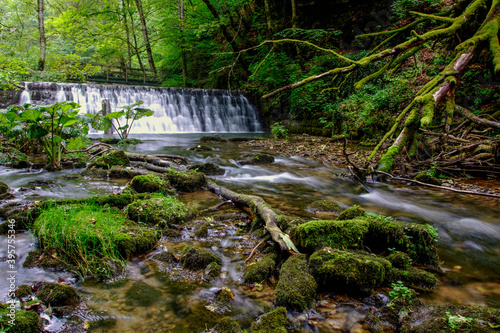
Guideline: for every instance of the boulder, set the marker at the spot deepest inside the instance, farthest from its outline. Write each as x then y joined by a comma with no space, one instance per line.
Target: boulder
198,258
260,270
208,169
256,159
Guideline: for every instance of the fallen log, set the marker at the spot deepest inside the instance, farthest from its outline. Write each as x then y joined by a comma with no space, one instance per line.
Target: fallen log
262,209
150,159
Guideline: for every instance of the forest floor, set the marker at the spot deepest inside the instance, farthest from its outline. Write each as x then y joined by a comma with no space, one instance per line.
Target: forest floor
330,152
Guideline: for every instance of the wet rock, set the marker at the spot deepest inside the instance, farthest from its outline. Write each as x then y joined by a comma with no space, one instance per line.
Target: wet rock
120,200
201,148
224,299
24,321
329,206
41,182
166,257
227,325
351,213
13,158
142,294
200,317
4,192
135,240
106,161
212,271
44,258
172,233
159,211
23,291
23,215
414,278
208,169
151,183
399,260
198,258
186,181
347,271
56,295
425,177
275,321
256,159
377,300
201,231
214,138
260,270
95,173
119,172
296,288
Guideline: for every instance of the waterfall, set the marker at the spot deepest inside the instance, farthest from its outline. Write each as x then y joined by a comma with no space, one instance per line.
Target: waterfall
175,110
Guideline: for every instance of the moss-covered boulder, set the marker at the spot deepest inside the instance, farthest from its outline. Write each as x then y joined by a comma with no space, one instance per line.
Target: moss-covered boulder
351,213
212,271
23,215
208,169
166,257
212,138
347,271
151,183
192,258
296,287
142,294
120,200
201,231
159,211
201,148
46,259
134,240
425,177
328,206
56,295
260,270
413,277
95,173
23,291
22,321
13,157
275,321
399,260
4,192
106,161
186,181
227,325
256,159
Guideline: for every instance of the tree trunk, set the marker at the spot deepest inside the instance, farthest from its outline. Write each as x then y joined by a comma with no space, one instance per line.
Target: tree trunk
127,33
183,49
41,27
146,38
136,47
268,17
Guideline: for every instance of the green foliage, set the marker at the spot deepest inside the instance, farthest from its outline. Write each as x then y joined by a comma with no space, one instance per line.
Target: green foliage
11,71
401,8
400,292
278,131
458,322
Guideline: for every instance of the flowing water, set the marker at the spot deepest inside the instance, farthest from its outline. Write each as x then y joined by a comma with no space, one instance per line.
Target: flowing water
468,226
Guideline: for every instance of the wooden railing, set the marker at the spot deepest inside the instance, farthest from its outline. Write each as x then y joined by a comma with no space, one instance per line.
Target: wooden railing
124,75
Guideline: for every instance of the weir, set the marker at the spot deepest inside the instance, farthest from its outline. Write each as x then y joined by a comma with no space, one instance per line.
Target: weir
175,110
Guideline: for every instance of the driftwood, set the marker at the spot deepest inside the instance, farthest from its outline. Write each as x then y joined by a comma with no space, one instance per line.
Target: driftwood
152,160
262,209
176,158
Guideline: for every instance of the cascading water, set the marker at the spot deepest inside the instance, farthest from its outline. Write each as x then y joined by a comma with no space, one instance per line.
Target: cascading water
175,110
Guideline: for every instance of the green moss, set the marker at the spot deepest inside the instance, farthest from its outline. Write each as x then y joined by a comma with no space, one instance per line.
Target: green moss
24,322
106,161
186,181
212,271
201,231
325,206
227,325
120,200
208,169
159,211
274,321
348,271
198,258
134,240
351,213
46,259
166,257
13,157
424,177
260,270
23,215
199,318
58,295
399,260
95,173
256,159
4,188
23,291
151,183
201,148
118,172
314,235
413,277
296,288
142,294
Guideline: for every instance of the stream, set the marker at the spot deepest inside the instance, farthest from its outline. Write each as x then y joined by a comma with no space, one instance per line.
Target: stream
468,228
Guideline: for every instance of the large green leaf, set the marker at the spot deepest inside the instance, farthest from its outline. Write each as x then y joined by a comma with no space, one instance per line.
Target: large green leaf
140,113
36,131
115,115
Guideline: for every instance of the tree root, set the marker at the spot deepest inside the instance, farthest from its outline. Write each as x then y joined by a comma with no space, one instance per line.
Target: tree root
253,250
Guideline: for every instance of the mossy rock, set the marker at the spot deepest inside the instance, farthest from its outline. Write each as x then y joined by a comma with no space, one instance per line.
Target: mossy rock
24,321
13,157
198,258
212,138
24,216
23,291
120,200
424,177
212,271
199,318
135,240
186,181
142,294
275,321
399,260
201,231
347,271
208,169
95,173
159,211
46,259
119,172
296,288
351,213
256,159
414,278
106,161
260,270
4,188
201,148
314,235
151,183
166,257
55,294
328,206
227,325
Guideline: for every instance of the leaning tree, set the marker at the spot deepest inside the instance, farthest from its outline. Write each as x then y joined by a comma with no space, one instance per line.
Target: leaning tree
421,111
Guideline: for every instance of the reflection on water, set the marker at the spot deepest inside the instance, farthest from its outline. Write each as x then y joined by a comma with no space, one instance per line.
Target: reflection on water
468,227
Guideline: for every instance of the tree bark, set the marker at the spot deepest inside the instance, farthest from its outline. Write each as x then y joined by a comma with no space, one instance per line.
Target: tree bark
469,115
136,47
41,28
146,38
183,48
267,11
127,33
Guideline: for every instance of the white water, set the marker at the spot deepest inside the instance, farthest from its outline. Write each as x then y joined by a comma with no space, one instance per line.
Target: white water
175,110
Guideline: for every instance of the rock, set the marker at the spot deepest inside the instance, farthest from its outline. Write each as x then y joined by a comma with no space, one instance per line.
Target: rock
324,206
56,295
142,294
106,161
227,325
424,177
120,200
351,213
24,321
198,258
255,159
24,215
399,260
186,181
166,257
296,288
208,169
46,259
347,271
151,183
260,270
13,157
135,240
212,271
159,211
413,277
201,231
274,321
214,138
23,291
201,148
4,192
